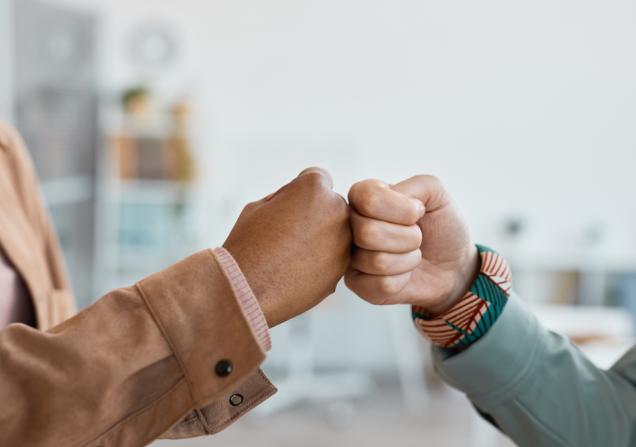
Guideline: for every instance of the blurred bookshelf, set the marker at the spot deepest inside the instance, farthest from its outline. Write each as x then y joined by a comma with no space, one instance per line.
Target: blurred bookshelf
578,278
52,100
582,269
148,208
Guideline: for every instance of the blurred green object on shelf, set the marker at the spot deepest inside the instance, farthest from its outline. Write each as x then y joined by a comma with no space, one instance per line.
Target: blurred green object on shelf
151,143
135,100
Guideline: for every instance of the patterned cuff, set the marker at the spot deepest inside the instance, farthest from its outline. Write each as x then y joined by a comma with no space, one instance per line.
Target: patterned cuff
245,297
473,315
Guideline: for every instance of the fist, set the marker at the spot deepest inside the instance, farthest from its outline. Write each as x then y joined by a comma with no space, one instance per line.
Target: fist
294,245
411,245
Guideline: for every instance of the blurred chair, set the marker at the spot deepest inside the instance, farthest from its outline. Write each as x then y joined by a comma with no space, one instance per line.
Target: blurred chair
303,382
412,355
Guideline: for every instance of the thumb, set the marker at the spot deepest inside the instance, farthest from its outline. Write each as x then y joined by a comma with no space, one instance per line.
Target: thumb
426,188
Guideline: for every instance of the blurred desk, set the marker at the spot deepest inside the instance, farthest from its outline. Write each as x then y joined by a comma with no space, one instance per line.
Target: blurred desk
605,354
603,334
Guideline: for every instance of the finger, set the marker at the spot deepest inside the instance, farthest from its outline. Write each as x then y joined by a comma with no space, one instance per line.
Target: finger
383,263
375,199
323,174
377,235
376,289
318,177
427,188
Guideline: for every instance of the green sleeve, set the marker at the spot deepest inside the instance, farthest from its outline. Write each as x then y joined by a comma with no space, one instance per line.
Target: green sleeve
540,389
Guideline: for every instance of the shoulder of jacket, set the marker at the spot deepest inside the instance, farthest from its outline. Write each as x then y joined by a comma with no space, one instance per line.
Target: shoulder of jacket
7,136
13,145
16,159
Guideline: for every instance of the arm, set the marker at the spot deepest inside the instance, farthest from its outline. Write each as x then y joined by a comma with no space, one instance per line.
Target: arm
537,387
540,389
177,351
131,366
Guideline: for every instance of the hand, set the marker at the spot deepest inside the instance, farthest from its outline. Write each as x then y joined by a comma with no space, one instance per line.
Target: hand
412,245
293,246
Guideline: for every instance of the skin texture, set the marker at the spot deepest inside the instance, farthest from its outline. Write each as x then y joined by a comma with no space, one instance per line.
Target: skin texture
411,245
294,245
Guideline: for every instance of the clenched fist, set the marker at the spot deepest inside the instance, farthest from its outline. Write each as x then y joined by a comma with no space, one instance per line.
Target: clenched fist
411,245
293,246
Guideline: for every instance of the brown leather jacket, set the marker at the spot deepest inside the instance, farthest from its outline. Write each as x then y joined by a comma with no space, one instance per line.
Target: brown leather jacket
139,364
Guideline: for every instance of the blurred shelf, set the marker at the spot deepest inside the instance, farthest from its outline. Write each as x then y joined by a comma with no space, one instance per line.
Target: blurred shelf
586,321
144,258
603,334
149,191
67,190
584,261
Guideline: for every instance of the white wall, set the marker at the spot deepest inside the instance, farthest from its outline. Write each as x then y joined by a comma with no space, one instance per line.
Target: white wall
539,95
521,107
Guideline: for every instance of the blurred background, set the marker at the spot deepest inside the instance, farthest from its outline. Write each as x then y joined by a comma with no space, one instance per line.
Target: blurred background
152,124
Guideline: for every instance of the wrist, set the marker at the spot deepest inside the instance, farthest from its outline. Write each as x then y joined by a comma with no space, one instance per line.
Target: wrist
248,302
471,316
460,282
273,316
250,265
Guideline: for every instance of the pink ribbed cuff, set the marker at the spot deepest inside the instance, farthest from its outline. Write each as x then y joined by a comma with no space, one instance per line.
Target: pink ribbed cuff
245,297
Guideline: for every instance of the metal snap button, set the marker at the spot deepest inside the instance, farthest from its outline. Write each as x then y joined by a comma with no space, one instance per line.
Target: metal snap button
224,368
236,400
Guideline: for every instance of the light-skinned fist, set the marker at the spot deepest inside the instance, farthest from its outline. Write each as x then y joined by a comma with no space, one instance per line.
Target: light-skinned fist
411,245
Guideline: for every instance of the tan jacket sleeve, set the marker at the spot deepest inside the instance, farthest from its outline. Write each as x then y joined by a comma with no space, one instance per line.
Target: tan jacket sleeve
140,362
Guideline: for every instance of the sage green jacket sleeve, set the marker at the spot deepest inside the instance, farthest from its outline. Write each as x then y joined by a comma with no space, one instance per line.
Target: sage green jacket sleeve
540,389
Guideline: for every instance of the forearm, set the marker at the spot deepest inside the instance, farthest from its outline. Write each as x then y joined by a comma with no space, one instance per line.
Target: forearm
133,365
539,388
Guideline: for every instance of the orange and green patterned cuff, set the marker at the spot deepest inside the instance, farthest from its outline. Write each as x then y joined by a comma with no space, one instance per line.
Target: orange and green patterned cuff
476,312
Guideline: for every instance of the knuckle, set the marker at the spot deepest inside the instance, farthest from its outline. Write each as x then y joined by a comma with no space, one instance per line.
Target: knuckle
364,289
417,256
315,183
431,179
411,215
381,262
376,300
435,187
249,207
367,202
433,182
312,182
314,178
322,199
417,236
366,234
388,286
353,283
338,206
357,188
362,192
